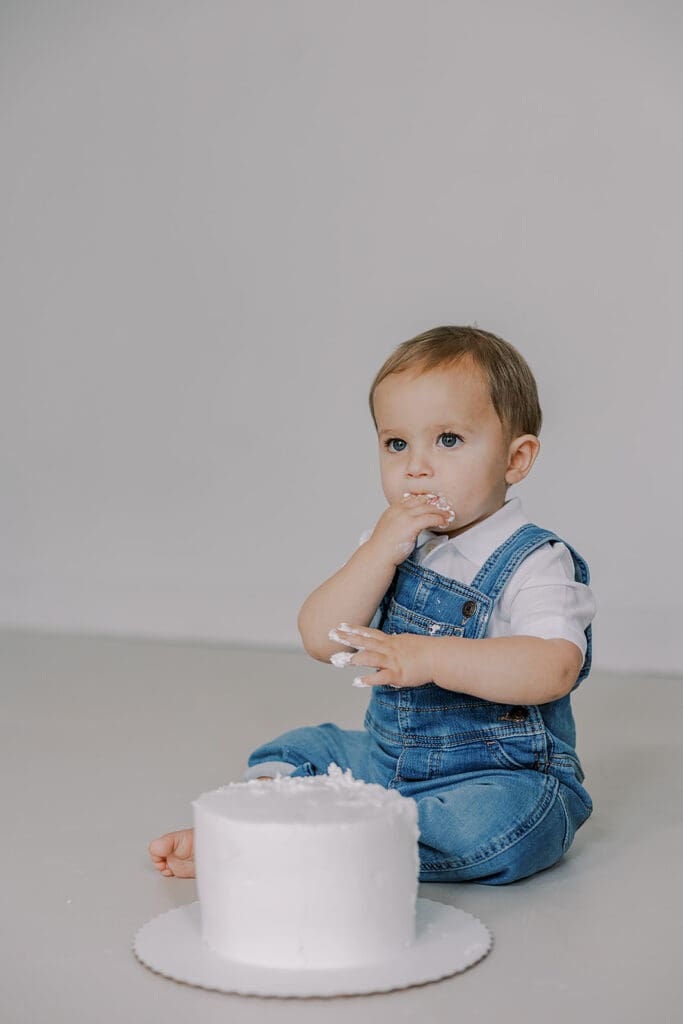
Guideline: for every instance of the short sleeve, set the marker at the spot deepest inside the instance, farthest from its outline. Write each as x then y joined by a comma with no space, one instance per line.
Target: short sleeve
543,599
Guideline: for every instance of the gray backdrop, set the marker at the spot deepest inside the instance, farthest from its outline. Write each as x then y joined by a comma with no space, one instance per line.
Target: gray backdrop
218,218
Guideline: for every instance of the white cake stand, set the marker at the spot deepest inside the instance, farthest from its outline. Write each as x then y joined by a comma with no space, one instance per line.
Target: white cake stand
447,941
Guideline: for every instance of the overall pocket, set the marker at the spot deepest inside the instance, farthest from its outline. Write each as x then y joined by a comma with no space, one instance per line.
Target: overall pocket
515,753
404,620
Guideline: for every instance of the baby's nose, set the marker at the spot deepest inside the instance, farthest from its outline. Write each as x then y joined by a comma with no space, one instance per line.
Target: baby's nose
419,466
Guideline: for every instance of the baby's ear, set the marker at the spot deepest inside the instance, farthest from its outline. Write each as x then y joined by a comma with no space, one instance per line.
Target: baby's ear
522,454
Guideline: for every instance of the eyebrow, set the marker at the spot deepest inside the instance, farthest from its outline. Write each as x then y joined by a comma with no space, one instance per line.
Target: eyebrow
434,427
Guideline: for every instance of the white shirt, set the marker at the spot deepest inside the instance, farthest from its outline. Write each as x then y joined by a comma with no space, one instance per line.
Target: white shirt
541,598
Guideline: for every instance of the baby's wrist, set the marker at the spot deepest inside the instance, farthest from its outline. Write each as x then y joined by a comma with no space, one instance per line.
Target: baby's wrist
378,554
430,656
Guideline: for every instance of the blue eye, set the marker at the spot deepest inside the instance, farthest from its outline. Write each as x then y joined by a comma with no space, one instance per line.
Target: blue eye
388,443
452,443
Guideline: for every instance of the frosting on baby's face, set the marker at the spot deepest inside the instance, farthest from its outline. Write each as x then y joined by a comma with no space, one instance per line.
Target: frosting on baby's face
440,435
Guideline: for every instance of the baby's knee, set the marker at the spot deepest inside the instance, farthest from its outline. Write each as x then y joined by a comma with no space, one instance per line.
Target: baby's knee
498,830
492,855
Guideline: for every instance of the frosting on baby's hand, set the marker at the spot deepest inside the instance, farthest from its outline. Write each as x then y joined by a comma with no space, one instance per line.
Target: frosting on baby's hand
341,658
438,501
334,635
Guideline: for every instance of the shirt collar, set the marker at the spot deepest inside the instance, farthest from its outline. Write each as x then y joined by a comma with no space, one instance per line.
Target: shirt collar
482,539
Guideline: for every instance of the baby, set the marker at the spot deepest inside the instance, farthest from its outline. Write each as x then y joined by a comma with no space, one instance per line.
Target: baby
476,622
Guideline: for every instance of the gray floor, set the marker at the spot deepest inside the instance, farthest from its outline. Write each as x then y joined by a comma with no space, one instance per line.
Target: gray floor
105,742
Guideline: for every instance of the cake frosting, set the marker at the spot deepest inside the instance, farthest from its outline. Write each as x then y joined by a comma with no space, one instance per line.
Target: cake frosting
312,872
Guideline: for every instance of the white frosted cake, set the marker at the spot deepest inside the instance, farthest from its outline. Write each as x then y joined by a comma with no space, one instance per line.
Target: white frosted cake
309,872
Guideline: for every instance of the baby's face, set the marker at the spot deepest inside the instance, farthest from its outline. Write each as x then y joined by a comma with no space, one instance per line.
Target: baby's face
439,433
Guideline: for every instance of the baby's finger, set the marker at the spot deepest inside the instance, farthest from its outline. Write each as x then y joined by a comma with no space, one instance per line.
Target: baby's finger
340,659
369,660
358,630
380,678
424,507
430,513
334,635
415,502
369,645
359,681
351,636
364,631
343,658
436,501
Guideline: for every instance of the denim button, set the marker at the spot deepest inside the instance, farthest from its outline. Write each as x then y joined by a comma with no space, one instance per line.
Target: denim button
468,609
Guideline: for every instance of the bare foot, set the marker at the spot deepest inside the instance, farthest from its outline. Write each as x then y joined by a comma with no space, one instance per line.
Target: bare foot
172,853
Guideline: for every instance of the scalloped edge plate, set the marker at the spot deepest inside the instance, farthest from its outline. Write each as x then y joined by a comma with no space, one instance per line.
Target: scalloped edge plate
447,941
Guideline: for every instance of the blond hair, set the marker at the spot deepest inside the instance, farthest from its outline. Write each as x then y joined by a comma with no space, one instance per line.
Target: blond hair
513,390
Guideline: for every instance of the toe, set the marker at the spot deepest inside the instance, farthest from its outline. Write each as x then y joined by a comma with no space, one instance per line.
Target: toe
183,844
181,868
162,846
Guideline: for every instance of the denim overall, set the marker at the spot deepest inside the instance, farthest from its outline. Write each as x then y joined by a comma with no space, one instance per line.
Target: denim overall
498,786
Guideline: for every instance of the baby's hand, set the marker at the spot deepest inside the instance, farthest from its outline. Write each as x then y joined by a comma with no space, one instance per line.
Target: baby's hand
398,527
402,659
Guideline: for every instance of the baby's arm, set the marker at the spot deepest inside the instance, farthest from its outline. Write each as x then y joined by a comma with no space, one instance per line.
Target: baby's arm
355,591
505,670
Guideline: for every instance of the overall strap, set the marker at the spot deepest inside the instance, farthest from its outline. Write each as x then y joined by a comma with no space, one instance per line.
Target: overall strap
499,567
506,559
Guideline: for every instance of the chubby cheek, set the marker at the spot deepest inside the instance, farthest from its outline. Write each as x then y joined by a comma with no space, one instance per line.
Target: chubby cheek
476,493
461,489
392,484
